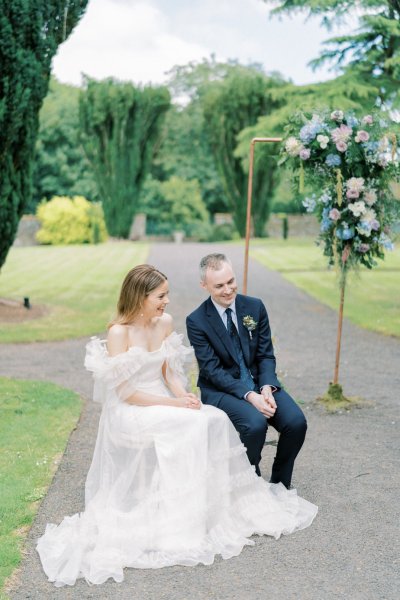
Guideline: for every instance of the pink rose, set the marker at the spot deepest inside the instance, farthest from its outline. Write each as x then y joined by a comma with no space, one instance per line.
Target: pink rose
334,214
341,146
305,153
352,194
362,136
368,119
341,134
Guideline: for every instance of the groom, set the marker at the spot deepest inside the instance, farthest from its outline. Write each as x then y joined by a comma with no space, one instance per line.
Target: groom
231,338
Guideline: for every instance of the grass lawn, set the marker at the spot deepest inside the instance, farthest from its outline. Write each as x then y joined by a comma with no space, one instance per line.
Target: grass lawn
78,284
36,420
372,297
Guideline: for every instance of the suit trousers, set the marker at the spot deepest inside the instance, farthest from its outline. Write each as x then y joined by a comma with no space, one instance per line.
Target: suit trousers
252,427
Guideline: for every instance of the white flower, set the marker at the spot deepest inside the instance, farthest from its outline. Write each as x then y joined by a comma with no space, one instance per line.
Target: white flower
355,184
337,115
364,229
370,197
368,215
357,208
293,146
323,141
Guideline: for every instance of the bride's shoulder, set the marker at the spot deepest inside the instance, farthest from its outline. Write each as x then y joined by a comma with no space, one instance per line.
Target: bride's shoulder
167,323
117,339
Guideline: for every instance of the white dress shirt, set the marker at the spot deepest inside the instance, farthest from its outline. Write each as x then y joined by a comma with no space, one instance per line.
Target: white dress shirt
221,311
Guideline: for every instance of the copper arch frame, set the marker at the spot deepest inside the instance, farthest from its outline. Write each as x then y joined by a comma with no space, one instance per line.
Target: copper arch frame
254,141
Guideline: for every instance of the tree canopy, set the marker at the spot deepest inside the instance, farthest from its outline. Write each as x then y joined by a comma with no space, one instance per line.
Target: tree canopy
61,166
371,53
30,33
230,106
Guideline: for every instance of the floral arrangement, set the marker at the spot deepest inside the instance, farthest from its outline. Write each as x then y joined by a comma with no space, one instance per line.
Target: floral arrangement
351,161
250,324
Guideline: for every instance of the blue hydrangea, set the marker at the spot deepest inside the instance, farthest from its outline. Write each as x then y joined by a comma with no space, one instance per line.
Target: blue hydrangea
371,146
325,197
333,160
345,232
352,121
310,130
326,222
309,203
386,242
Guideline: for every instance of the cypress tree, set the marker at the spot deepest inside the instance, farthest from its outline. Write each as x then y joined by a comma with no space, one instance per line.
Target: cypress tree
230,106
120,125
30,33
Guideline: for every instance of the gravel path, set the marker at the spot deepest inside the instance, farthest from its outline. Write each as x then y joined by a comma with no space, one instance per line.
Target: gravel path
348,465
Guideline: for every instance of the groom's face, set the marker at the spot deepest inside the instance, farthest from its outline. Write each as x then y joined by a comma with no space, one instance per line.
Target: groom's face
221,284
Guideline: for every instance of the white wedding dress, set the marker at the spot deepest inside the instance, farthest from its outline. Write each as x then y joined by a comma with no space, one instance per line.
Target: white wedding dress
167,486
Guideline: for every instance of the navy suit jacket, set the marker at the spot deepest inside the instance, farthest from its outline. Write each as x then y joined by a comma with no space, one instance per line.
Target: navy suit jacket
219,371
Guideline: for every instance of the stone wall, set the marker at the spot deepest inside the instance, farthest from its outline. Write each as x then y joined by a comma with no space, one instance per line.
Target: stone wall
27,229
299,226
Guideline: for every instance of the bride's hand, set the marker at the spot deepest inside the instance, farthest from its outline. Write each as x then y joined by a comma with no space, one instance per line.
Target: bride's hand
191,401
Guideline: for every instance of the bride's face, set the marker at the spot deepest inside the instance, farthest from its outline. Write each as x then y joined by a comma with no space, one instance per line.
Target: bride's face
155,303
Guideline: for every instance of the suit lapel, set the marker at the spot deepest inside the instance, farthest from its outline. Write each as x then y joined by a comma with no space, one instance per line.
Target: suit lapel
220,329
243,333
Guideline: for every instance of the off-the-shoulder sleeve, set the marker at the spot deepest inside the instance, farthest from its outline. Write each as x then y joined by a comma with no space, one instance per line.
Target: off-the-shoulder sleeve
178,356
115,377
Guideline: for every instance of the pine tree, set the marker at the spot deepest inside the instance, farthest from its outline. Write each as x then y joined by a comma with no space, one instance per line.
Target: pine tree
372,53
30,33
120,124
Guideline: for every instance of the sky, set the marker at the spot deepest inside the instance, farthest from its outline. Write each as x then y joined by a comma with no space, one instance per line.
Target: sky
140,40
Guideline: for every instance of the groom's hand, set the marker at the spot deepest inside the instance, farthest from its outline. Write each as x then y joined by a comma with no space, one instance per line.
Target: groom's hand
268,396
259,402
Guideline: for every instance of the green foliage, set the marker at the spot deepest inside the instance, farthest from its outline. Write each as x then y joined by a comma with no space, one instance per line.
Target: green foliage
30,33
36,420
173,205
120,126
71,221
222,233
184,152
345,91
61,167
230,106
372,53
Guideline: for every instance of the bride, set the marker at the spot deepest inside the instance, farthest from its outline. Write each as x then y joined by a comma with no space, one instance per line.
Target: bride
170,482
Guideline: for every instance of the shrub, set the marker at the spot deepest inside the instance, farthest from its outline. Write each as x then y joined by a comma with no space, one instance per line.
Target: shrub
173,205
223,232
70,221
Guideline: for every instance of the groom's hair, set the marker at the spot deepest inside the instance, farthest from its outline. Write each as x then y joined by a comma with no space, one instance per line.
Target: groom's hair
212,261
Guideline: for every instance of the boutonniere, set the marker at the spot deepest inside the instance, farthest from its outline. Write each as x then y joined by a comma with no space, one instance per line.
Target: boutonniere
250,324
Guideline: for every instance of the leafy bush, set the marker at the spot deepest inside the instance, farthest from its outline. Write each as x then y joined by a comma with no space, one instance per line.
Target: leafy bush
70,221
173,205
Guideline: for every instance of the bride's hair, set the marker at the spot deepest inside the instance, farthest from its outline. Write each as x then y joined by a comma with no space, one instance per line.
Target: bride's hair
137,285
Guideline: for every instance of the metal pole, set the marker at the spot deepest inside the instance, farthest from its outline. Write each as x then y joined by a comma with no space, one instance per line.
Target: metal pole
249,196
248,217
339,334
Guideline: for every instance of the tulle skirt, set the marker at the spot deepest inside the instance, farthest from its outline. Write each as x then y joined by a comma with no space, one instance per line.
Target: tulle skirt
167,486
